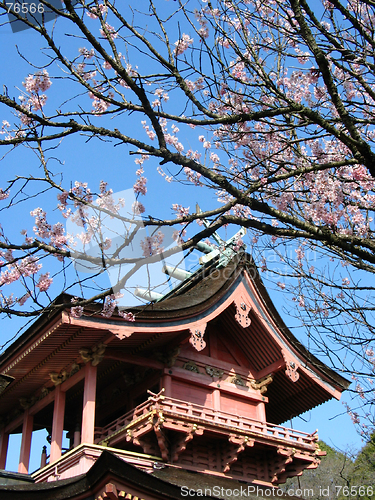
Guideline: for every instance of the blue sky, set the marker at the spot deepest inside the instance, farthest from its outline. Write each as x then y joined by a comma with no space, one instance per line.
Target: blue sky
91,162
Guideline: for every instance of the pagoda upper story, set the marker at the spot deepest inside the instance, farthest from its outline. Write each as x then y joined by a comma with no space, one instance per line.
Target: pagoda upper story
201,380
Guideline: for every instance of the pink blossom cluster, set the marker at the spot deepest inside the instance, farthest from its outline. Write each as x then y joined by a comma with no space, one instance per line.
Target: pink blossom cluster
95,12
128,316
109,306
76,311
178,236
40,82
86,74
4,130
41,228
109,32
192,176
4,194
183,44
152,245
34,100
27,267
139,186
238,244
87,54
44,230
161,95
161,172
22,300
352,414
242,211
194,155
106,244
173,141
151,134
180,210
203,31
100,105
82,192
106,201
138,208
44,282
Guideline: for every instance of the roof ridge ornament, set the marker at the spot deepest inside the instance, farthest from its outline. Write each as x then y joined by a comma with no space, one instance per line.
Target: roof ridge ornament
227,249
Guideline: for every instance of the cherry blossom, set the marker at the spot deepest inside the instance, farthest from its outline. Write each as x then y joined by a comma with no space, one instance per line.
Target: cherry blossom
267,130
44,282
76,311
182,44
152,245
128,316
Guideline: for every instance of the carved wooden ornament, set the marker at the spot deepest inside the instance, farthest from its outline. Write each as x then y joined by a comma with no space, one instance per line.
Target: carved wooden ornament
94,354
291,366
242,314
196,337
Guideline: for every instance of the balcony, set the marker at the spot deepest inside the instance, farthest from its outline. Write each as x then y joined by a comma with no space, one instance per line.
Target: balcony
194,437
175,414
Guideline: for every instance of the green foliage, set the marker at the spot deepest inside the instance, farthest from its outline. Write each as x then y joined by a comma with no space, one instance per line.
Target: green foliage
339,476
362,472
326,480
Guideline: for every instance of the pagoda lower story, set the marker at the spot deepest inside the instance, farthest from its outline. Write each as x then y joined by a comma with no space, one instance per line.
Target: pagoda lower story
201,381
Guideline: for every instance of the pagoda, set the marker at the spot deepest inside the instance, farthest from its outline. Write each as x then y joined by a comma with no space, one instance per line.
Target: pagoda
202,381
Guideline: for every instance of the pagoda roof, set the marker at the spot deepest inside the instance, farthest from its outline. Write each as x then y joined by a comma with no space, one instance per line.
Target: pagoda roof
212,295
113,478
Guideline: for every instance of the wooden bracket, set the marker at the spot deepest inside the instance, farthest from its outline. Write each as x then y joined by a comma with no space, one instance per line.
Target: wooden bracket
242,314
147,445
280,463
182,442
58,378
94,354
162,441
296,470
262,384
240,443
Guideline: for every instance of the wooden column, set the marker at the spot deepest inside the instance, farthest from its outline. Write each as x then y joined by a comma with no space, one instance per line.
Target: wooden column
57,424
166,382
4,440
216,399
27,430
88,413
77,436
261,412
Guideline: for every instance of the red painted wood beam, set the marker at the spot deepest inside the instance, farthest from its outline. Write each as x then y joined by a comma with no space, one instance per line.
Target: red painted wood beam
273,368
117,355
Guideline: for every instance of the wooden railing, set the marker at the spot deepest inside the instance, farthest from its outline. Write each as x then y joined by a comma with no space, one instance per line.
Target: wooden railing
101,433
197,413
